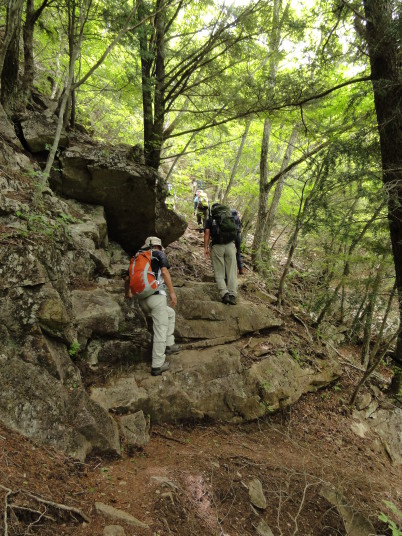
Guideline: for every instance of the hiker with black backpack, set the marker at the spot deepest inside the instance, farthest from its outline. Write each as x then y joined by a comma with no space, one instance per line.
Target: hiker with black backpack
220,228
147,280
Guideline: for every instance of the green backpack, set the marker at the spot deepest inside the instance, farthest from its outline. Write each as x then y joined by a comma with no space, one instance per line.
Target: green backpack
223,228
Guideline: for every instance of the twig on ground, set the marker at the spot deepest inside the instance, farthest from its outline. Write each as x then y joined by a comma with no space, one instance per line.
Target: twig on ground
5,517
60,506
305,326
169,438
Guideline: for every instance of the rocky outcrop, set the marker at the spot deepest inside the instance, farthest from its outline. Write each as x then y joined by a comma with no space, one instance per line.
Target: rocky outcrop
45,320
201,315
61,297
213,382
54,412
374,415
208,378
114,177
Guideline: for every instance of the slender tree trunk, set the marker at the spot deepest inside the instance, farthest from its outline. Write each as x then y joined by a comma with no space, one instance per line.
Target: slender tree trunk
372,368
273,209
265,187
237,161
9,55
383,40
357,320
365,355
31,17
380,333
28,36
154,156
302,213
346,268
263,196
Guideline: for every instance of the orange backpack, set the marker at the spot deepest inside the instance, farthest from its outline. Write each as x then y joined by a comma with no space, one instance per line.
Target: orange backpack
143,282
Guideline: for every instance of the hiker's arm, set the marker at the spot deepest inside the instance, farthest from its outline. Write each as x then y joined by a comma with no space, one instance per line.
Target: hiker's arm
169,284
207,234
127,291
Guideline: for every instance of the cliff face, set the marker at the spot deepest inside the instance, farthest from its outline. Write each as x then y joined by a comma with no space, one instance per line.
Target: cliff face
61,280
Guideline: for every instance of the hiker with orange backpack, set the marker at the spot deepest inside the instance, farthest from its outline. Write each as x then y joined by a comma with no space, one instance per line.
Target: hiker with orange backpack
147,280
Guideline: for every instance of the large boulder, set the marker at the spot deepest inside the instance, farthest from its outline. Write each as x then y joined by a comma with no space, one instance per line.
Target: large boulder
38,131
132,193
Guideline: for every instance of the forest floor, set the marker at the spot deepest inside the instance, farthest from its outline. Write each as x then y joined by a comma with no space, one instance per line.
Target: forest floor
192,479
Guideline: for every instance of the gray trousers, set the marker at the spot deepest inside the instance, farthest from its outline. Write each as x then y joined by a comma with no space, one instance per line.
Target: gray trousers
225,266
163,318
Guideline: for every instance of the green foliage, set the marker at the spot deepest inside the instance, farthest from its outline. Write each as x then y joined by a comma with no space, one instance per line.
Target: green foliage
74,348
294,352
395,529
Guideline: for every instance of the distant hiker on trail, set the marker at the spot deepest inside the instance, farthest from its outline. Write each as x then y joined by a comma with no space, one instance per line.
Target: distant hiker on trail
195,204
221,229
238,224
194,184
202,207
147,280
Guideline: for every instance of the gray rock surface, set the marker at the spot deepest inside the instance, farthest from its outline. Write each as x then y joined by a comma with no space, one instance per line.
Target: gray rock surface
39,407
256,494
135,429
355,523
202,315
118,515
39,131
212,382
113,530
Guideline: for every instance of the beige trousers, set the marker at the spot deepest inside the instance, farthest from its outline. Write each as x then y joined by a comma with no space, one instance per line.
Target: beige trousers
225,266
163,318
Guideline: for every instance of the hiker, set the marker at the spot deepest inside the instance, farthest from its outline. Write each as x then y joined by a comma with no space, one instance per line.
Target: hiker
195,204
221,229
238,224
151,293
202,207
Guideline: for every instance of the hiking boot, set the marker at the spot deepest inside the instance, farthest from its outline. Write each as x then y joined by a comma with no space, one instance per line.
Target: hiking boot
172,349
226,298
158,371
242,271
232,299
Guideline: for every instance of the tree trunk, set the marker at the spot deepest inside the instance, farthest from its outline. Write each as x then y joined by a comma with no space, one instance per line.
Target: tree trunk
365,355
264,185
380,334
237,161
263,197
346,268
279,187
28,37
382,34
153,158
9,55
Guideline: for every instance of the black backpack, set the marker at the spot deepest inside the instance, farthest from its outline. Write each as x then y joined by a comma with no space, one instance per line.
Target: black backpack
223,229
